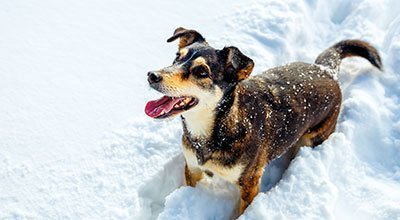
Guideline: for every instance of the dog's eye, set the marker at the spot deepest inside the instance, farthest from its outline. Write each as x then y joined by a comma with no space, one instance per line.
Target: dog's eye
200,71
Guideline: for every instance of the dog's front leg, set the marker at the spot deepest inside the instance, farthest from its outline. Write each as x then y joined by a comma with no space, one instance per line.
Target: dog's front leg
193,175
249,186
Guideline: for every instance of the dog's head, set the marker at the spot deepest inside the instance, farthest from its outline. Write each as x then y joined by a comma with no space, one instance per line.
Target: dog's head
198,76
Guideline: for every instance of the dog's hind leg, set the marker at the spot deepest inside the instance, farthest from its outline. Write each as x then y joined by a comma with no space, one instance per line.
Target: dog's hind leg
193,175
318,134
314,136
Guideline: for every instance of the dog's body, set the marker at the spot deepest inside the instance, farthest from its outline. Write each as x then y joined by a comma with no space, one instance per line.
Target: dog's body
234,125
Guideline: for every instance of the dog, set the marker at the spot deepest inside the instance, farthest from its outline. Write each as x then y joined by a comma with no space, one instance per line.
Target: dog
233,124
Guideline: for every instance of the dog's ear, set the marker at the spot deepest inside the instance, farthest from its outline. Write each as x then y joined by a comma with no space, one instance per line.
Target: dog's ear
237,65
186,37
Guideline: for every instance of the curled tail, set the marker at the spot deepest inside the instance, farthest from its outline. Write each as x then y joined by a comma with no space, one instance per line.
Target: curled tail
333,56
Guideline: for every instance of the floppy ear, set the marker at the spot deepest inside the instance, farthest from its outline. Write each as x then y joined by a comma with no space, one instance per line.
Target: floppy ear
186,37
237,65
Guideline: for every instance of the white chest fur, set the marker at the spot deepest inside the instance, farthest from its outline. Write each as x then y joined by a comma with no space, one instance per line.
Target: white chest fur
231,174
200,119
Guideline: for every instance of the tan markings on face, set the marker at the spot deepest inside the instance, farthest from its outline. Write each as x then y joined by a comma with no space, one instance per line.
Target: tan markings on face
176,84
200,61
183,52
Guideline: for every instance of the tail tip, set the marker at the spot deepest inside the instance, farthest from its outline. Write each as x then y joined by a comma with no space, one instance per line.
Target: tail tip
363,49
378,64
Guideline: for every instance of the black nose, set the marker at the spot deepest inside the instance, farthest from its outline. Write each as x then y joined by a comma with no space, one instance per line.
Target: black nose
153,77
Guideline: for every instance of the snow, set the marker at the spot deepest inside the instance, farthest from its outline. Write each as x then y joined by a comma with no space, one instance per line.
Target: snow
75,143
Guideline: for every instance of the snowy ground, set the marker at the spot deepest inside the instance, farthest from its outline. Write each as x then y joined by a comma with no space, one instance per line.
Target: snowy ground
75,143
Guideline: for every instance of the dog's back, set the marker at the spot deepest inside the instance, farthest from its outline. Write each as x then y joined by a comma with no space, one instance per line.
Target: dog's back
296,97
302,100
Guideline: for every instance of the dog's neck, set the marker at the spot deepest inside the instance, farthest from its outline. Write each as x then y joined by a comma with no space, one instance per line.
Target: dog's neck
200,121
205,131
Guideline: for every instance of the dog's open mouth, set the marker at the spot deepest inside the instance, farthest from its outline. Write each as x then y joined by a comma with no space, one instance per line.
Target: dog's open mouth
167,106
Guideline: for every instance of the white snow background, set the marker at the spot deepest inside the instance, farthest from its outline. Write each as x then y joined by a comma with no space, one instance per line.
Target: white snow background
75,142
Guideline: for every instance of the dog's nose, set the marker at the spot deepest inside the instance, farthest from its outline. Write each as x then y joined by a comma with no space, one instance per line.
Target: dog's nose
153,77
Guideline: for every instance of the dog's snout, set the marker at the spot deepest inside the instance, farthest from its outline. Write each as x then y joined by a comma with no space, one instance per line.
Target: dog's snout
153,77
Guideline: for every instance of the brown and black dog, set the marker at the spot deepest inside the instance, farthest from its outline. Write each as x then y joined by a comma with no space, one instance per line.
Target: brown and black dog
233,124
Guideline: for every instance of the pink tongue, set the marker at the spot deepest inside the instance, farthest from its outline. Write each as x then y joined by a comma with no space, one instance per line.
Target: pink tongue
161,106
